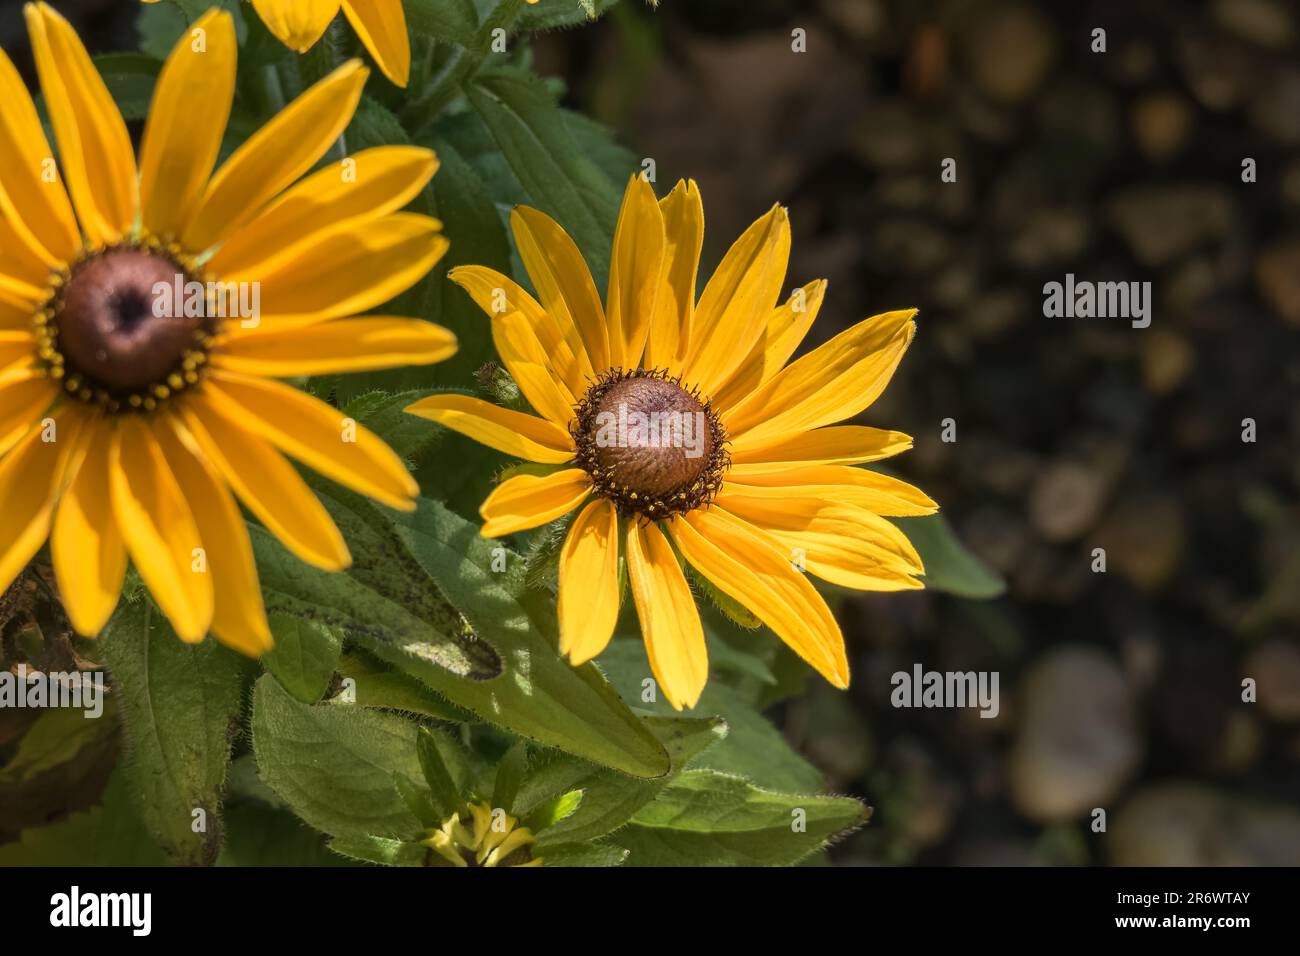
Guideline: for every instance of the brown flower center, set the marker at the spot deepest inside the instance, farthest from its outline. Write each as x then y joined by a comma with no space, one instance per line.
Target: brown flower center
117,333
651,446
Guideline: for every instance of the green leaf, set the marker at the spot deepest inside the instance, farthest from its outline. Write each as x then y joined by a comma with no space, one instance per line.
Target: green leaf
304,657
372,125
263,836
383,850
61,763
59,736
245,784
180,712
949,566
478,237
550,812
160,25
510,774
194,9
385,596
704,818
563,181
335,764
598,143
539,695
377,685
753,748
453,21
130,78
550,14
106,835
609,799
582,854
444,790
418,800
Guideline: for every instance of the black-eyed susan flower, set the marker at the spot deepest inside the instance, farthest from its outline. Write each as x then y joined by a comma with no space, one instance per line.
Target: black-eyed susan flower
132,403
480,836
676,430
379,24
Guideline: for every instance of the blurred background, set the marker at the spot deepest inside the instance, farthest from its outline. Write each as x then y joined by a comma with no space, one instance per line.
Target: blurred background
1120,690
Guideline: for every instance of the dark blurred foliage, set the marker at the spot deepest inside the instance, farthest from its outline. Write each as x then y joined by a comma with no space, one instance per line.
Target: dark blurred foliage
1120,690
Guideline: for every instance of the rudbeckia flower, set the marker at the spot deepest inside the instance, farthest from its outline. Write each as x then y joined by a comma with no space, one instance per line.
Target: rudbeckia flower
473,837
379,24
676,430
129,407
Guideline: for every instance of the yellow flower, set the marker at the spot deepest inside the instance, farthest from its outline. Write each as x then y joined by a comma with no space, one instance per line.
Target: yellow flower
126,419
746,474
489,839
380,25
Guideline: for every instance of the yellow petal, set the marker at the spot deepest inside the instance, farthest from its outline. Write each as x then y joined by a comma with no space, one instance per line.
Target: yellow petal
843,544
31,477
346,269
159,529
239,617
736,303
345,345
881,494
670,622
22,258
670,334
298,24
94,145
514,433
564,283
848,561
829,384
374,183
268,485
40,205
510,842
319,436
527,501
834,445
531,368
786,328
14,315
21,301
187,118
25,394
381,26
752,568
276,155
498,295
588,605
17,347
635,270
87,549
